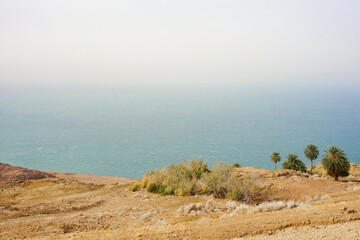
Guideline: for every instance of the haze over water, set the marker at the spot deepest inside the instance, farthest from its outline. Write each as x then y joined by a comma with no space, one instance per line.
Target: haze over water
127,131
120,87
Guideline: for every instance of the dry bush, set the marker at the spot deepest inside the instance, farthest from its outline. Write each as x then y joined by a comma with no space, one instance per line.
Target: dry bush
270,206
354,170
320,170
223,182
220,181
317,197
231,207
254,191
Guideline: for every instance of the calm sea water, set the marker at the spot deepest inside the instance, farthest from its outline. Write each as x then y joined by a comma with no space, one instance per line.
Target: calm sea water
128,131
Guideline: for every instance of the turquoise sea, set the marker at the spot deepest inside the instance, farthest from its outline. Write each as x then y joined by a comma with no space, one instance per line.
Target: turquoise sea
126,131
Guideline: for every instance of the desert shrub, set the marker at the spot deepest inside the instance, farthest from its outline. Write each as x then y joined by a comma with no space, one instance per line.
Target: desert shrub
219,180
169,191
237,165
254,191
152,187
180,179
311,171
136,187
354,170
293,162
270,206
193,177
319,170
235,194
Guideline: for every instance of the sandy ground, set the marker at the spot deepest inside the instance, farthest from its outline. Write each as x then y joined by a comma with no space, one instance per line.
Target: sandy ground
94,179
90,207
347,230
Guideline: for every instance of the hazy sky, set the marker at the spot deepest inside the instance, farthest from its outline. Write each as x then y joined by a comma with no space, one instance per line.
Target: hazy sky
179,42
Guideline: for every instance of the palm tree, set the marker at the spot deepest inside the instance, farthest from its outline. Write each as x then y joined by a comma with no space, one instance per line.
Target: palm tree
275,157
311,152
293,162
335,162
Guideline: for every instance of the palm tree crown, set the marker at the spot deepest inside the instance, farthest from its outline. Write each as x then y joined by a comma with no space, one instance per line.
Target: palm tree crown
293,162
335,162
275,157
311,152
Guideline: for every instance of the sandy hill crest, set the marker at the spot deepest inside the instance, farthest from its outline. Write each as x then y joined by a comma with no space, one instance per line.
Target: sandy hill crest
10,175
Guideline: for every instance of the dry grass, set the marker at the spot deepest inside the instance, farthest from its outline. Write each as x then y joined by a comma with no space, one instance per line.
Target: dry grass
354,170
270,206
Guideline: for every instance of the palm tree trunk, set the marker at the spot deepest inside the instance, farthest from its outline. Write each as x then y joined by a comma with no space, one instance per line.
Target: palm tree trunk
311,165
275,166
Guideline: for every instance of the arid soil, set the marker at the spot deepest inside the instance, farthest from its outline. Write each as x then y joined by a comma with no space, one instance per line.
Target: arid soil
10,175
83,178
87,207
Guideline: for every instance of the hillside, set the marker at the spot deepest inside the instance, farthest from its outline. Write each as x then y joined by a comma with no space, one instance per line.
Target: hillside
10,175
303,207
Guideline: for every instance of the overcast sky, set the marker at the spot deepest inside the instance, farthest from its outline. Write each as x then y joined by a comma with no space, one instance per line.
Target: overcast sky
179,42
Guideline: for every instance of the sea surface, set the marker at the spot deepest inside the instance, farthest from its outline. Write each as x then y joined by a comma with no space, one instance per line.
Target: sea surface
126,131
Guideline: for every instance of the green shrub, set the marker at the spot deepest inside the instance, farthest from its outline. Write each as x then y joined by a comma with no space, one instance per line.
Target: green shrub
236,165
179,179
193,177
235,194
152,187
136,187
168,191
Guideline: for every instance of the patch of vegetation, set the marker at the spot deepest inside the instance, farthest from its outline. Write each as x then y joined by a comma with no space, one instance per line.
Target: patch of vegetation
194,178
335,162
319,170
237,165
275,158
136,187
354,170
293,162
311,152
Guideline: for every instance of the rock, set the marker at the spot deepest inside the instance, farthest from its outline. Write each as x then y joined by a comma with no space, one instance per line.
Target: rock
161,222
189,208
148,215
193,212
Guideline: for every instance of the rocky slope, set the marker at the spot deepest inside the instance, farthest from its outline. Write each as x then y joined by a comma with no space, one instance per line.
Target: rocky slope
10,175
